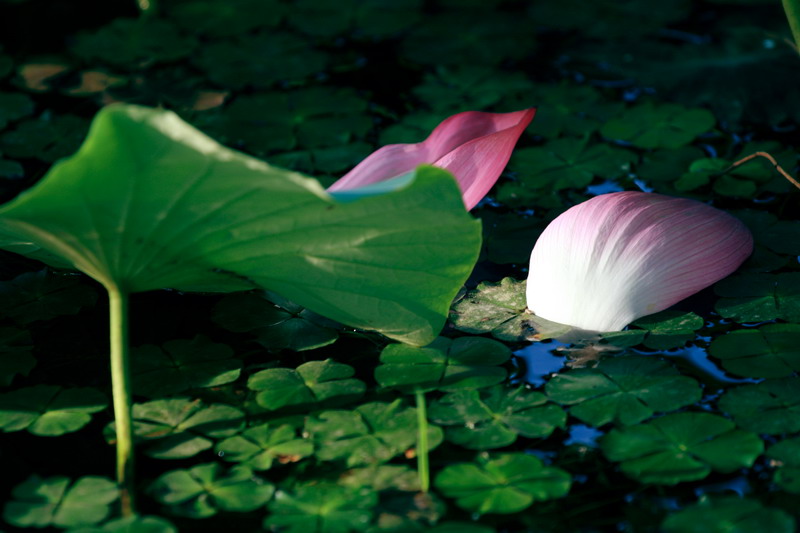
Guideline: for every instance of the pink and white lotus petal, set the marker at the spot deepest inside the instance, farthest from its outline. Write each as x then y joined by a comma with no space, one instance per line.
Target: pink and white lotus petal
474,146
610,260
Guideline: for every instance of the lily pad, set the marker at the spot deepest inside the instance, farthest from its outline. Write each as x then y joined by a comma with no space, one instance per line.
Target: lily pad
503,483
681,447
669,329
445,364
182,364
311,383
206,489
259,446
496,308
771,407
372,433
15,354
757,297
785,455
728,514
321,508
626,390
277,323
44,295
492,418
49,410
659,126
767,352
58,502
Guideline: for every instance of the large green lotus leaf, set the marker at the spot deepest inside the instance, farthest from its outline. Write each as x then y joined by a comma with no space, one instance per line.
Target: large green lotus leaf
771,407
785,455
728,514
493,417
504,483
772,351
150,202
625,389
681,447
49,410
759,297
445,364
56,502
208,488
321,508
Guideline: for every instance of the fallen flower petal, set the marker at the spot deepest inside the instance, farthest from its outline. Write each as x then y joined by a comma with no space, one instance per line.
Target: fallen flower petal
474,146
617,257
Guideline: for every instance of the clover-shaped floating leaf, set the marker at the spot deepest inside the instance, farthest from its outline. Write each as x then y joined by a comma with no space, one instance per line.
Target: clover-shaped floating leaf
179,427
276,322
659,126
445,364
760,297
669,329
58,502
493,417
571,109
132,524
15,354
225,221
182,364
44,295
371,433
503,483
205,489
309,384
681,447
259,446
220,18
569,164
49,410
370,18
321,508
626,389
770,351
779,236
471,87
785,455
496,308
728,514
771,407
45,138
382,477
660,168
14,106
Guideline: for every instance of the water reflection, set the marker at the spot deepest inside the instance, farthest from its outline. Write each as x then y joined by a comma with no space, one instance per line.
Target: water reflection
539,361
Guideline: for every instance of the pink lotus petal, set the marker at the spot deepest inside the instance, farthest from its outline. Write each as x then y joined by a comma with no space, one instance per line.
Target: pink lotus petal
617,257
473,145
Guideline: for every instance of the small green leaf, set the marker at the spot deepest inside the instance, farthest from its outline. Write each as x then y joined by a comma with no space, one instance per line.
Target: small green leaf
132,524
471,87
206,489
259,446
14,106
310,384
681,447
15,354
356,18
57,502
496,308
504,483
669,329
49,410
144,40
771,407
659,126
760,297
383,477
44,295
445,364
220,18
567,109
728,514
321,508
785,455
767,352
626,389
46,138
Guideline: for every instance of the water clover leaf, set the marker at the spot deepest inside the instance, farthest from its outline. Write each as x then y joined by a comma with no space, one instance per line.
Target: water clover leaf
649,125
382,477
767,352
445,364
179,427
771,407
496,308
14,106
661,167
626,389
728,514
220,18
779,236
493,417
49,410
321,508
276,322
568,109
43,295
182,364
372,433
503,483
669,329
471,87
225,221
46,138
369,18
757,297
15,354
785,455
259,446
309,384
58,502
132,524
205,489
681,447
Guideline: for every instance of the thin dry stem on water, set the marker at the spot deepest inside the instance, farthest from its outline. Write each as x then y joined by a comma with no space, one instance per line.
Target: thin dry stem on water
771,160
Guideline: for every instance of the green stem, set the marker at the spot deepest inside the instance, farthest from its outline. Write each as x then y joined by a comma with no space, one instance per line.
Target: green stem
121,390
792,9
422,442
